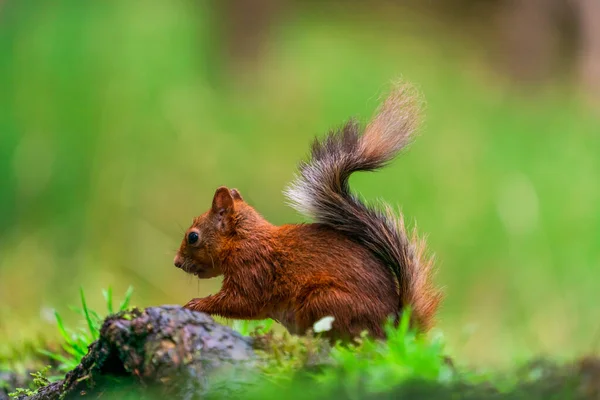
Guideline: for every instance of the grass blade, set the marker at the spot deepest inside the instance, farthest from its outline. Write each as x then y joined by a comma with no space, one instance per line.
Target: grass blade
65,361
98,320
125,304
76,310
108,298
61,329
93,330
74,350
405,322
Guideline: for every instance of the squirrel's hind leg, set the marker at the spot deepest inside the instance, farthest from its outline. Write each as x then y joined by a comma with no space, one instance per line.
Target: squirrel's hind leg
351,316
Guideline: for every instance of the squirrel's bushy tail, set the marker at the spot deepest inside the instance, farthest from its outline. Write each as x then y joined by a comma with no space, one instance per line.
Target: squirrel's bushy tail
321,191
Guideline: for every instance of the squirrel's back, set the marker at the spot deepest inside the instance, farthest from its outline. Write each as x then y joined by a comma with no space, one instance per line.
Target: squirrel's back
321,191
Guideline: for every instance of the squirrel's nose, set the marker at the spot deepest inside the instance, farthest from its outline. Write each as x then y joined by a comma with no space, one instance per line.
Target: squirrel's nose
178,261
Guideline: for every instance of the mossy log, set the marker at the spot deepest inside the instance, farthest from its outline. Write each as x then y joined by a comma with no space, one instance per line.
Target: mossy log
159,352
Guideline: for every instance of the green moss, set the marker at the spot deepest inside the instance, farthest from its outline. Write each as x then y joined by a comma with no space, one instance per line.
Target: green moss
40,379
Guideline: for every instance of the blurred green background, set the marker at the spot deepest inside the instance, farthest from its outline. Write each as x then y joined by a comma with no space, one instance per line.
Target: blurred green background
118,119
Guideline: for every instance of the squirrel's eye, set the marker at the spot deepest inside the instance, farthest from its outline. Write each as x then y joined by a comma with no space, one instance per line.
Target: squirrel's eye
192,237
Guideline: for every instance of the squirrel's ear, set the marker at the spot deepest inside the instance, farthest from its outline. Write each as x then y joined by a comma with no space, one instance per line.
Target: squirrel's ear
223,201
236,195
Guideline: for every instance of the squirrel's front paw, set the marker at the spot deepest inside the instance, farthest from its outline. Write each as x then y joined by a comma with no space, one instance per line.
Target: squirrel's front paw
193,304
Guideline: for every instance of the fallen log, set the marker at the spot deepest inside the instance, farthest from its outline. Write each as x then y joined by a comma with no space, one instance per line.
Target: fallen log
159,352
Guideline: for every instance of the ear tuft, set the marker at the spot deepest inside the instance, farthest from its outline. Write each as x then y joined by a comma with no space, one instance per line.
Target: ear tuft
222,201
236,195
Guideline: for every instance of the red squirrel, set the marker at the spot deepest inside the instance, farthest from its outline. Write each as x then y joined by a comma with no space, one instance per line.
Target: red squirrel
355,263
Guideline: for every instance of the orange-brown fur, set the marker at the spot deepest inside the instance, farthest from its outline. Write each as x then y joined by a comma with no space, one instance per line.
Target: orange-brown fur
298,274
294,274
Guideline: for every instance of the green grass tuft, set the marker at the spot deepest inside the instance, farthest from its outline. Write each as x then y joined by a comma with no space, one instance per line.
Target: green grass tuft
378,366
76,342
